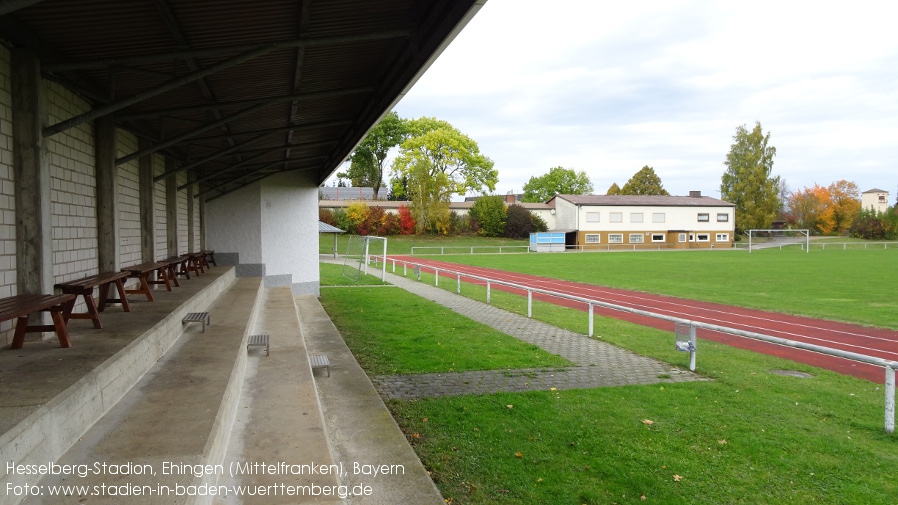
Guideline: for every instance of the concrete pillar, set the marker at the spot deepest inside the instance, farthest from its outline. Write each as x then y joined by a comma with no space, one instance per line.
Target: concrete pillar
202,231
171,209
31,169
191,219
147,206
107,195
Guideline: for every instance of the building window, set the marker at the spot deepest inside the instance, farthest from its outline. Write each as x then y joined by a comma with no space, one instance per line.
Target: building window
616,217
593,238
703,217
636,217
657,217
882,198
636,238
615,238
658,237
722,237
703,237
721,218
681,237
692,237
592,217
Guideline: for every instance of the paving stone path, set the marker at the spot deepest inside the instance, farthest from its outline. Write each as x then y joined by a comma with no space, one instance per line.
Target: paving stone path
598,364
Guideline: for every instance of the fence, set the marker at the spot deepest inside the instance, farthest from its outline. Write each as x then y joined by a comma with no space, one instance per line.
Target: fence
500,249
889,366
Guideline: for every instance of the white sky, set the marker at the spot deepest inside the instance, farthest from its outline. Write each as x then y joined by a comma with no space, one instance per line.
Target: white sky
609,86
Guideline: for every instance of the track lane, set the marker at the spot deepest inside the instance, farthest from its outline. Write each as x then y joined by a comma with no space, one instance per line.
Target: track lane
879,342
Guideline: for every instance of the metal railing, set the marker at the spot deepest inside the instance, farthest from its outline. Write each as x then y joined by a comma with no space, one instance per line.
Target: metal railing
497,249
889,366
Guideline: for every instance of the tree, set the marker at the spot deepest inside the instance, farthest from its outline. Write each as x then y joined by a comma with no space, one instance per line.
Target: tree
518,222
613,190
439,161
844,207
367,161
747,182
489,214
808,205
558,181
644,182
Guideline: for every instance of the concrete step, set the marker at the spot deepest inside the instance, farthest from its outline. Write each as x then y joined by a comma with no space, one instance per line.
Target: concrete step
172,428
279,421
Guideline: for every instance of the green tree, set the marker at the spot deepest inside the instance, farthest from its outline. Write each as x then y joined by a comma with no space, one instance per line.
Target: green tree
489,214
613,190
366,166
747,182
644,182
518,222
558,181
438,161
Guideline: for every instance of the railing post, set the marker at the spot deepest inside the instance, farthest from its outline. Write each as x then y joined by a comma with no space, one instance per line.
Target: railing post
458,286
529,303
692,347
890,399
487,292
591,317
436,277
405,269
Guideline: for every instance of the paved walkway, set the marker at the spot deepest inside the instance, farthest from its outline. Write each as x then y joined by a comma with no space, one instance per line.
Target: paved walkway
598,364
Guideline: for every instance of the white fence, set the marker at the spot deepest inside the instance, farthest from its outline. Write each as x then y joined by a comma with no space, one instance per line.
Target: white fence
499,249
889,366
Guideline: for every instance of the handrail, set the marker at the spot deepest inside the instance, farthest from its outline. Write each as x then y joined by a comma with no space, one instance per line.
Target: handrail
889,366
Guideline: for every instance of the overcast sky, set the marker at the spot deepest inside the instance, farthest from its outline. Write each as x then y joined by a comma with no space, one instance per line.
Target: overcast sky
608,87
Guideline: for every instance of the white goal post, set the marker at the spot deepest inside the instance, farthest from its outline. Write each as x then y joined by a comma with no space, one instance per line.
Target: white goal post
360,250
775,237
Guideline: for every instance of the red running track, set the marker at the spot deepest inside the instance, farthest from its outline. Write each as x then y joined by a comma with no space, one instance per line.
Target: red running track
877,342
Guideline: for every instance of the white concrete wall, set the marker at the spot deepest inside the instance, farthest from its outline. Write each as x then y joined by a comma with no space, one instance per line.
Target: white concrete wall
565,215
289,234
160,217
876,201
73,198
128,214
233,230
7,189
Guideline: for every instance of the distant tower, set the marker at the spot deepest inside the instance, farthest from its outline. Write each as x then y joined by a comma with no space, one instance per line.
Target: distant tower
875,199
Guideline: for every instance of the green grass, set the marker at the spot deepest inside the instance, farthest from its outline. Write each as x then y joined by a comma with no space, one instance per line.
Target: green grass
854,285
391,331
402,244
748,436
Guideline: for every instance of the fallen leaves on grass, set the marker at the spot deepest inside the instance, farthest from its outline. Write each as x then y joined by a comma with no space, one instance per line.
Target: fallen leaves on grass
677,478
648,422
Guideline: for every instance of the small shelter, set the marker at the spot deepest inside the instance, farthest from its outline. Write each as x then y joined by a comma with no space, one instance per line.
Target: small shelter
326,228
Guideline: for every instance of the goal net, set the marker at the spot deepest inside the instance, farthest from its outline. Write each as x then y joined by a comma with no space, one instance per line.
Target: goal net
778,238
361,251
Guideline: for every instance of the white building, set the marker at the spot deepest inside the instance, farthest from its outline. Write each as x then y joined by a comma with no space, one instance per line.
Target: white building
645,222
875,199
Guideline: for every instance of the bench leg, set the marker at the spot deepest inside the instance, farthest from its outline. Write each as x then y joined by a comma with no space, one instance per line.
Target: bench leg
18,339
144,288
61,331
92,310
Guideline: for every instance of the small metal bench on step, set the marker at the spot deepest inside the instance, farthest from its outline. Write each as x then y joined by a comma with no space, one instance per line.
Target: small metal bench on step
258,341
320,361
197,317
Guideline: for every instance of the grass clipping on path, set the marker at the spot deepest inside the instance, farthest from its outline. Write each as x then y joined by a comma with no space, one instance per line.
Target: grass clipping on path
748,437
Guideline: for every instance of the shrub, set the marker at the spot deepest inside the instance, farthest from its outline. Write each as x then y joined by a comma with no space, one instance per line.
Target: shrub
406,221
342,221
518,222
326,216
489,214
357,212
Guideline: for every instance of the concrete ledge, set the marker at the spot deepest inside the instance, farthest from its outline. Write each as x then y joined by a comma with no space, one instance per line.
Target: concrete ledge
48,432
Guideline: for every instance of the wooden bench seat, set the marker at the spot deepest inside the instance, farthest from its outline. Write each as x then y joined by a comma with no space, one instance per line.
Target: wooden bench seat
85,288
178,265
143,271
197,262
21,306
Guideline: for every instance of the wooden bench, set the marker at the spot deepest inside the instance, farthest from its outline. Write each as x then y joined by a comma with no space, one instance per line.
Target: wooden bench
178,265
196,263
21,306
143,271
85,288
320,361
258,341
197,317
209,257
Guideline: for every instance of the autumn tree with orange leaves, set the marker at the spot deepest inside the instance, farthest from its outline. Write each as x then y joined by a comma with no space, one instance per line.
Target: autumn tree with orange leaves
808,205
844,207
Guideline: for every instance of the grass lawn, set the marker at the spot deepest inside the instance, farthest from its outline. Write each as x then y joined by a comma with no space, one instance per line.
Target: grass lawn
748,436
402,244
391,331
853,285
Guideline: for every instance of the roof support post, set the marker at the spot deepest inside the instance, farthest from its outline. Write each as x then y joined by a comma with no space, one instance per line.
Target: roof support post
107,195
31,169
171,211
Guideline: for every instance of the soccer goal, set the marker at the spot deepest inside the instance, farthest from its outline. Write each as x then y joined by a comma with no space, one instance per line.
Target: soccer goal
362,251
770,238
